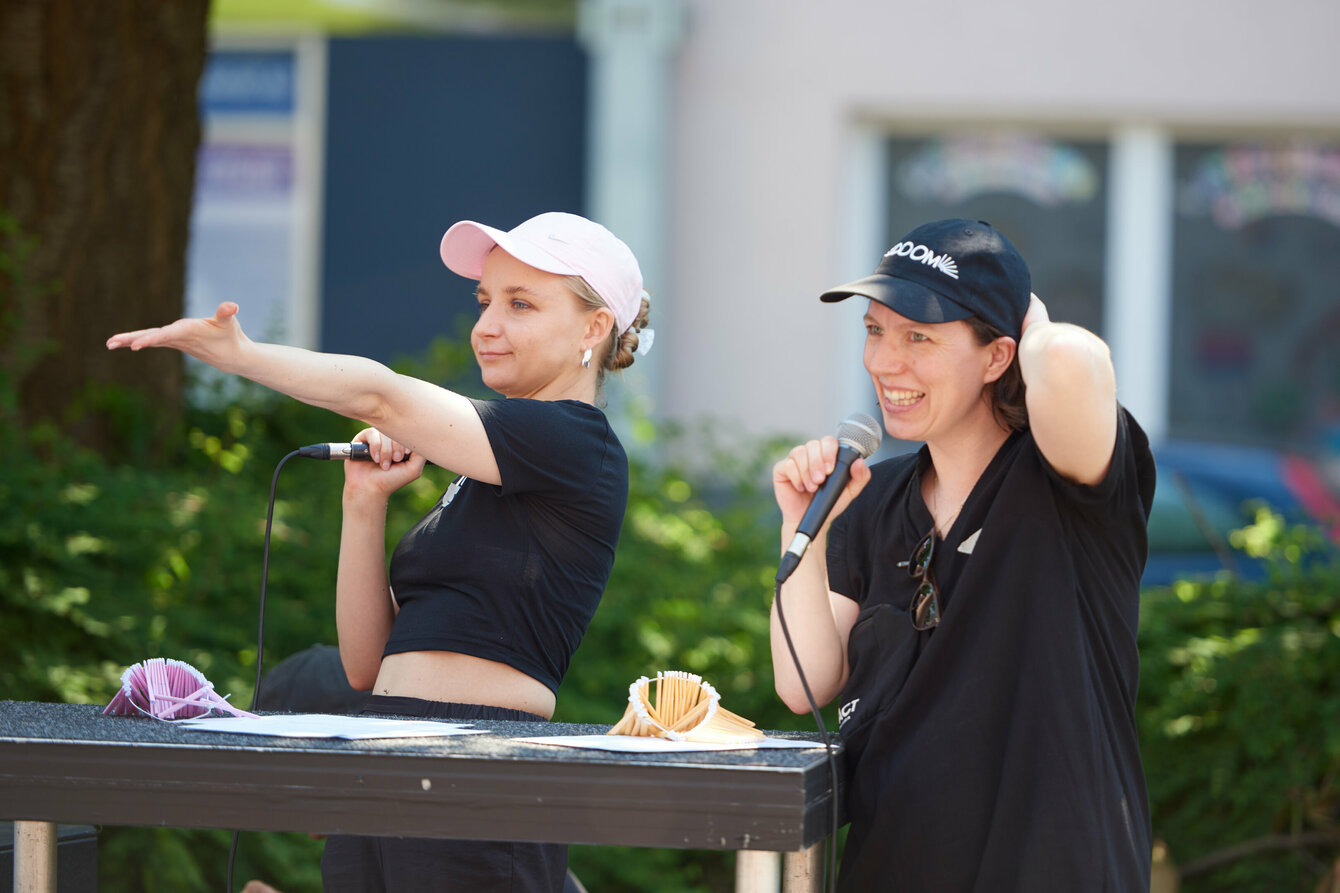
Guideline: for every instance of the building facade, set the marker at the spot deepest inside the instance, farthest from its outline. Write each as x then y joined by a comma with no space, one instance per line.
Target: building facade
1170,171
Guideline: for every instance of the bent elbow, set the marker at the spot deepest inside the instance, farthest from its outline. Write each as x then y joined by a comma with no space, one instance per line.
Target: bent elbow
360,678
376,411
1072,366
794,699
362,683
1064,350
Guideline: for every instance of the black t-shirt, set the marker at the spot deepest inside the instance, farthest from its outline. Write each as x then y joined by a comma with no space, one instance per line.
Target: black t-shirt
513,573
998,751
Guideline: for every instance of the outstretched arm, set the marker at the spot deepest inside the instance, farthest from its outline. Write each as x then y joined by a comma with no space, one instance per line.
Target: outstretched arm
435,423
1071,395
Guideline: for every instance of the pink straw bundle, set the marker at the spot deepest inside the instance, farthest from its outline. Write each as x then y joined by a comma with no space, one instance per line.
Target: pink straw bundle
167,689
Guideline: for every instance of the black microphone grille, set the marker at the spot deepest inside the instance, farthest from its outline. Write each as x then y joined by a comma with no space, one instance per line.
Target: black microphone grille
860,432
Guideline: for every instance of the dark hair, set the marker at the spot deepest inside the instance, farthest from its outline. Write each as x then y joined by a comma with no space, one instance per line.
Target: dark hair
1007,392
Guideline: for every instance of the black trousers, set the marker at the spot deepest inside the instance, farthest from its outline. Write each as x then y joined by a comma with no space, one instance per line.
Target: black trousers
353,864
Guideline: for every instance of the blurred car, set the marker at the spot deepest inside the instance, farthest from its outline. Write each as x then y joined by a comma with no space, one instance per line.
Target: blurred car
1207,490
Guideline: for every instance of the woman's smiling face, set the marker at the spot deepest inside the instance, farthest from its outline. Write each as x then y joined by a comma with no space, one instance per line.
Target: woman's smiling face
928,376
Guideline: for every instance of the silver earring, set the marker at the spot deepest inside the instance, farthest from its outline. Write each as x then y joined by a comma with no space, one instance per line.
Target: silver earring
586,359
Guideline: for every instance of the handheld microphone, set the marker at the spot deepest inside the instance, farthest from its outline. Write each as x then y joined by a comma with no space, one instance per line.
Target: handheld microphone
858,437
355,451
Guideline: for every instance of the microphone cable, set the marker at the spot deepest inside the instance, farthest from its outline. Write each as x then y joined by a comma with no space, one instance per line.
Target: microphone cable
860,434
351,451
830,879
260,627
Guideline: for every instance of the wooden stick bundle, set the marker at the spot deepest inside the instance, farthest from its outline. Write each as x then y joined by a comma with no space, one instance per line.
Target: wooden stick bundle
684,708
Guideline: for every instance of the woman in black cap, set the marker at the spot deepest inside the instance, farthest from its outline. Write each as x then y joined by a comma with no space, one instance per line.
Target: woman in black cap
975,607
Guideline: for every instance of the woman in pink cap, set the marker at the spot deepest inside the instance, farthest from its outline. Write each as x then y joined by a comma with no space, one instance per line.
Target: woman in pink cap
488,596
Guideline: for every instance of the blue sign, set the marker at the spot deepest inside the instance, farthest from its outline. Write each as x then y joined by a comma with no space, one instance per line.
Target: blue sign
248,83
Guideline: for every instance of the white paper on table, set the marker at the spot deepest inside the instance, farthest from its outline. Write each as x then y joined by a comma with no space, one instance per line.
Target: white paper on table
324,725
643,744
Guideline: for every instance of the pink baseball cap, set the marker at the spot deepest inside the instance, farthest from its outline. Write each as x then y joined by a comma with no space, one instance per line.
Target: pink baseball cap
555,242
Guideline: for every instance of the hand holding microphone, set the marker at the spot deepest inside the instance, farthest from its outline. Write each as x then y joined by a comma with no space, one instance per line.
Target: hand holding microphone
393,465
355,451
388,451
823,468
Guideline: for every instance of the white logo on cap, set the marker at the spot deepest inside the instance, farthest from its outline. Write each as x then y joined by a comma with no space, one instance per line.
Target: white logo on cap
926,255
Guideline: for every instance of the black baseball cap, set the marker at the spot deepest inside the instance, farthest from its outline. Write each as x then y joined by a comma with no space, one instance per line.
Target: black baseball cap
949,270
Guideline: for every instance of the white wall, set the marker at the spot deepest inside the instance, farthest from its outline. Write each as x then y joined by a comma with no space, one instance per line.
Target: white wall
773,100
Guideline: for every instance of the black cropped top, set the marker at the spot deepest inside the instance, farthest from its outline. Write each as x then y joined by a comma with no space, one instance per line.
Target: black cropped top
513,573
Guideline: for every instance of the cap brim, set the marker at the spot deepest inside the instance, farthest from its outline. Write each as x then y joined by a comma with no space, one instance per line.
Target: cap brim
466,244
902,296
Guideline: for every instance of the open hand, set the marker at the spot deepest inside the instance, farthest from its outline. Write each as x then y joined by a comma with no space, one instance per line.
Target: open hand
214,340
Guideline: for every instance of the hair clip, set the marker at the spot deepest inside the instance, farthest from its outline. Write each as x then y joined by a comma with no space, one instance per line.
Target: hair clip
644,339
167,689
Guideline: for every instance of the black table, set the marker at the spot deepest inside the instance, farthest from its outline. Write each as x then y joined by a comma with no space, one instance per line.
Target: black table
68,763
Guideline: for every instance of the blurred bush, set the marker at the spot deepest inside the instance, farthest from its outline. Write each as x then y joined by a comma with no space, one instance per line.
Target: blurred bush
1239,713
691,590
102,566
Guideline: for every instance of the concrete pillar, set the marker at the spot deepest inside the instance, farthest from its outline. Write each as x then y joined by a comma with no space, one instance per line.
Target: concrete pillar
631,46
758,871
1137,300
34,857
803,872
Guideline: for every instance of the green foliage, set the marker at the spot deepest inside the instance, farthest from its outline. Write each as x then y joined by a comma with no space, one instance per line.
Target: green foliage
1239,696
690,590
691,585
101,567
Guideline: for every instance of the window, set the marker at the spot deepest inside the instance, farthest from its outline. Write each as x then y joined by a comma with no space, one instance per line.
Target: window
1256,294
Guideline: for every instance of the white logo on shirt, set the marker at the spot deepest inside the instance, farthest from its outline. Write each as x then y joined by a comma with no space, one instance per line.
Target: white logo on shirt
846,710
970,543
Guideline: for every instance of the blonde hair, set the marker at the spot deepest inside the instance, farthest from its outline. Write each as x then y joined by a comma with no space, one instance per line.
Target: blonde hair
619,349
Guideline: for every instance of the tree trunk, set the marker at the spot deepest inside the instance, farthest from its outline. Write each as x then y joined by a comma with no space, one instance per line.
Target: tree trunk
98,135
